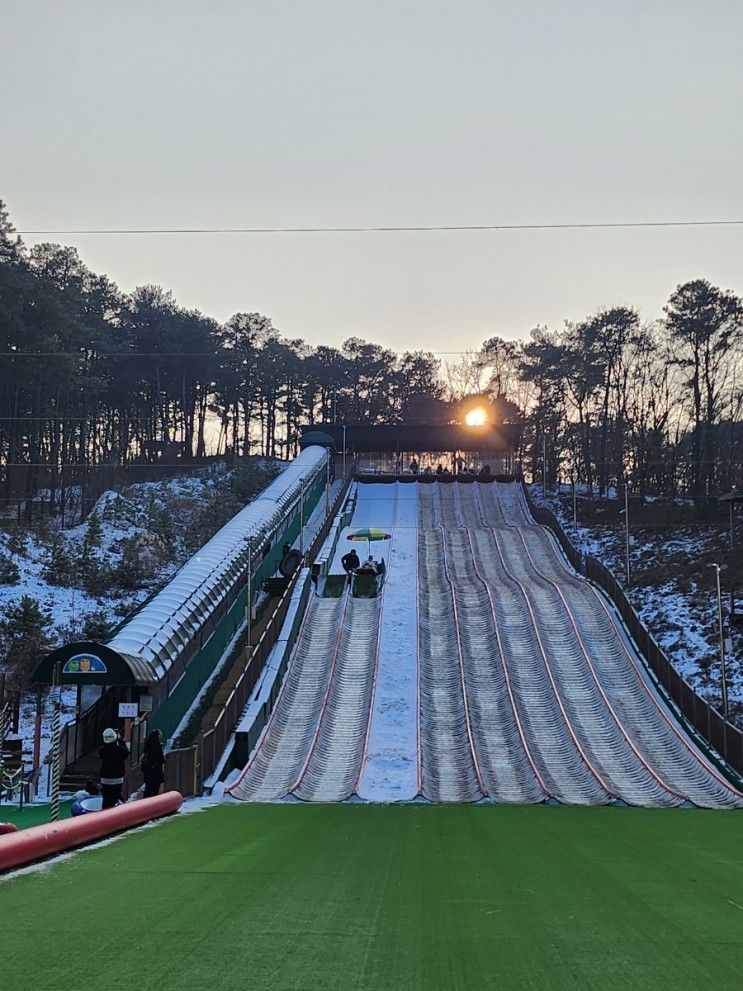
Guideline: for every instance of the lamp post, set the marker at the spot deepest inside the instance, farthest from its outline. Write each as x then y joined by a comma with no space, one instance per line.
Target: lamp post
544,466
249,605
575,505
301,516
723,674
327,486
626,535
344,453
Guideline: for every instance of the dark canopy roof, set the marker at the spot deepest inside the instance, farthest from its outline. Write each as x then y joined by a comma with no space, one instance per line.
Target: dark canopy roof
735,496
313,436
89,663
411,438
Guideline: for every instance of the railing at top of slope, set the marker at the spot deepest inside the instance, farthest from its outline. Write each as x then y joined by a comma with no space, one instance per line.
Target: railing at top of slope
185,769
725,738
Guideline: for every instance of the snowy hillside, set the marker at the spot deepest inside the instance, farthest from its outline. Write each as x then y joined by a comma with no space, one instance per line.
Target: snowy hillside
81,583
57,586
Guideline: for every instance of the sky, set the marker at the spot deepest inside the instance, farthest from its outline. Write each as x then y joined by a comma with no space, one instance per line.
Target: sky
315,113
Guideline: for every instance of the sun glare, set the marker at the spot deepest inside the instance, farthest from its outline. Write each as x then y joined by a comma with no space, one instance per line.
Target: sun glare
476,417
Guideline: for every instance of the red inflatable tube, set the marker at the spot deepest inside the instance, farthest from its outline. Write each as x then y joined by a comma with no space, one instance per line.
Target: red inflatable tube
37,842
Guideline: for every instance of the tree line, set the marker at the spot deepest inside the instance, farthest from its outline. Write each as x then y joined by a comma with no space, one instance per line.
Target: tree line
91,376
657,405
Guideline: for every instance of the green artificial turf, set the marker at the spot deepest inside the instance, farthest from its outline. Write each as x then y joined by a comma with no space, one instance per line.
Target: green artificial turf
407,897
32,815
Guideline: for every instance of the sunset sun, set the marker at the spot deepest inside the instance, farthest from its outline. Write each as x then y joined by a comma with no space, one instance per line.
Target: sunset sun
476,417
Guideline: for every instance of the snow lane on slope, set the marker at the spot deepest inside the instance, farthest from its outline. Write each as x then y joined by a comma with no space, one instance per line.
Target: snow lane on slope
375,506
390,772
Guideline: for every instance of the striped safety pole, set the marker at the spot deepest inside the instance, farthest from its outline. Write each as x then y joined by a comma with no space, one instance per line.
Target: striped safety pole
55,764
55,755
4,716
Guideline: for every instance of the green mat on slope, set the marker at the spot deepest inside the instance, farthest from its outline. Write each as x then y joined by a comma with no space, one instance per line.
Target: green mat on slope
371,897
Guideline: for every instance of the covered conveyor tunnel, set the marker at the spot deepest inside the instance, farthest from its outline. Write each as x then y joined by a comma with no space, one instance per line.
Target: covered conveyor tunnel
164,654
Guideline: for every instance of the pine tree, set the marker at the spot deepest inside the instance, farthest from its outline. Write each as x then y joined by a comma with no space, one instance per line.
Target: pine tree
130,572
97,626
11,246
93,575
16,542
25,637
60,568
9,572
93,533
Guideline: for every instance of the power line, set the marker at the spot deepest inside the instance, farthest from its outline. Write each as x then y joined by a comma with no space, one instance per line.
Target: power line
182,354
391,229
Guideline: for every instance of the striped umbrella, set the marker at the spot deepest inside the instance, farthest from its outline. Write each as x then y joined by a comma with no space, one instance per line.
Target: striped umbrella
369,533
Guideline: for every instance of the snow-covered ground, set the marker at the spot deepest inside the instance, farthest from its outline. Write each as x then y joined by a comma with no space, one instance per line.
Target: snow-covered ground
390,771
672,590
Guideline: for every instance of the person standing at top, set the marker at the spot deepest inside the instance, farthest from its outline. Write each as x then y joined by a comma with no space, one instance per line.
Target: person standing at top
459,464
350,562
114,754
153,764
414,466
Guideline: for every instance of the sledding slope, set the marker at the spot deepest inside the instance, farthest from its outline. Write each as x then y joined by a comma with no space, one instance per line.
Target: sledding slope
487,668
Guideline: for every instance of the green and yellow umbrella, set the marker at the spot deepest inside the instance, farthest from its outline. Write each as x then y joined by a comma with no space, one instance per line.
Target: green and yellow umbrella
369,533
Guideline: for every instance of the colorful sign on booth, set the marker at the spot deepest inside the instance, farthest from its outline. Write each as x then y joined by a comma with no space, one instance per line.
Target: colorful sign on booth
84,664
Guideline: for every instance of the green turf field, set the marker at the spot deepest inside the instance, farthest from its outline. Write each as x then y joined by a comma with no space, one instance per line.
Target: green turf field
411,897
32,815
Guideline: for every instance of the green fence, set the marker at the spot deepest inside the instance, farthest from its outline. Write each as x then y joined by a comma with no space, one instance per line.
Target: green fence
186,768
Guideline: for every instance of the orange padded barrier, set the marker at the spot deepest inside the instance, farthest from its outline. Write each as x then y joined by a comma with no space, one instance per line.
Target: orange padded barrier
37,842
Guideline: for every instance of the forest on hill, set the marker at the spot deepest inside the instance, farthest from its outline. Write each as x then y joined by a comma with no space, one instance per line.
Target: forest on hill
91,376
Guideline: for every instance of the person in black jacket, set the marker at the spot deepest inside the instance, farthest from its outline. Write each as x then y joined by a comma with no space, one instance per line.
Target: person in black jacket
350,562
153,764
113,754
